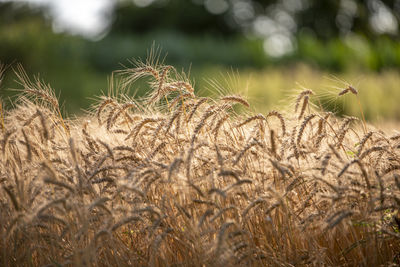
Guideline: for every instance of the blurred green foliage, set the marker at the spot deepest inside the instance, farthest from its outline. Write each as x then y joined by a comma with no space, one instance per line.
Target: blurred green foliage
354,51
177,15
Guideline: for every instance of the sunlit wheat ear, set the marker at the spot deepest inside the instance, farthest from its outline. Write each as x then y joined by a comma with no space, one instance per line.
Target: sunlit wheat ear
185,85
123,110
40,92
237,99
93,146
139,126
218,125
178,122
158,149
31,119
245,149
350,89
36,89
157,130
110,116
319,139
273,142
302,128
196,106
372,150
163,78
250,119
174,117
108,148
363,141
293,142
322,121
158,86
103,105
278,115
210,111
142,69
302,94
304,106
344,129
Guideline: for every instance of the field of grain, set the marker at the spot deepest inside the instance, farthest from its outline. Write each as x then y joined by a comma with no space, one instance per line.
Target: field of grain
173,179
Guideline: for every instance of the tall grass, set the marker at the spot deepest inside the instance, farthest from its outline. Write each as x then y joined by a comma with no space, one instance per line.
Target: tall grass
176,180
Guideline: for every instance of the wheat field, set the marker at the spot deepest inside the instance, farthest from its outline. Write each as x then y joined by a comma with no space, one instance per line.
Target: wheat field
173,179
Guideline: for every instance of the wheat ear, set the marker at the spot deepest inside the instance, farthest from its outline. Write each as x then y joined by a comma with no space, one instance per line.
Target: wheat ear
343,130
139,126
300,96
218,125
196,106
302,128
38,89
250,119
275,113
304,106
103,104
237,99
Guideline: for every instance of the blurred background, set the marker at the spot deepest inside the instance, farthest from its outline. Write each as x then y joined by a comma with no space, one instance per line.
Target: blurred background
265,49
